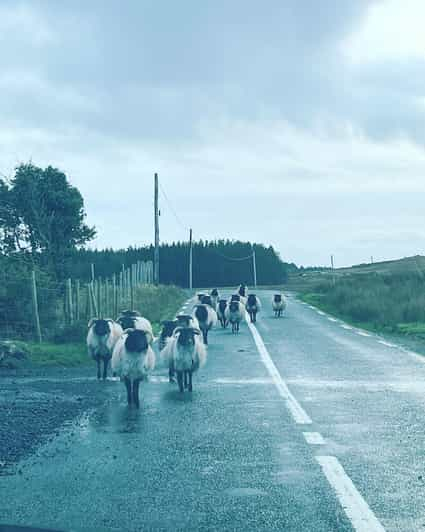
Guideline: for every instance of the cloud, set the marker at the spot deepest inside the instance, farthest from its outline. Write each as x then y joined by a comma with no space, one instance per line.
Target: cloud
289,116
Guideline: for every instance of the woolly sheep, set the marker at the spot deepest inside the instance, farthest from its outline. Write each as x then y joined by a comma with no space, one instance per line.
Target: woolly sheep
102,336
132,360
207,318
167,331
235,313
279,304
215,296
253,305
221,312
187,320
184,353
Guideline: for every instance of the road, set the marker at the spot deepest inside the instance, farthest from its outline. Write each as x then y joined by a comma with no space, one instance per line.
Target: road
300,424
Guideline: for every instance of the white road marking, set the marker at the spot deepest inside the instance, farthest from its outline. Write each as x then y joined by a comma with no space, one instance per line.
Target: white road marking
296,410
356,508
388,344
346,327
332,319
243,381
321,313
362,333
314,438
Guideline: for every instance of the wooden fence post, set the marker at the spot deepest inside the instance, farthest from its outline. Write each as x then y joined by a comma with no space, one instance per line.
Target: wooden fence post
35,306
70,309
77,300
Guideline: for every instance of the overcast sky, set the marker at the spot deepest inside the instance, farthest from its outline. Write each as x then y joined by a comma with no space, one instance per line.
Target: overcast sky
297,123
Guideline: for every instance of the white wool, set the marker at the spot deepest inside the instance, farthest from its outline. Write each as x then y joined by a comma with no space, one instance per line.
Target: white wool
281,305
132,365
103,345
211,320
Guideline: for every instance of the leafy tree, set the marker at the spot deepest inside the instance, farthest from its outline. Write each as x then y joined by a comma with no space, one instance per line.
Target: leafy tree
43,214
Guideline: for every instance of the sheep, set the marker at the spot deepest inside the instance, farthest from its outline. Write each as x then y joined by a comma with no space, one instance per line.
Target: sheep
131,319
184,353
207,318
207,300
237,297
253,305
235,313
221,312
102,336
199,296
215,296
279,304
132,360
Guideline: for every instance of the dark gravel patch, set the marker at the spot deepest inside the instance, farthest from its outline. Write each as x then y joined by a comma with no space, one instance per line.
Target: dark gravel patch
37,403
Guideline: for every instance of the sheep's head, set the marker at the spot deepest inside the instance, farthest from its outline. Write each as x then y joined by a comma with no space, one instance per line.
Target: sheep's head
235,297
186,335
200,295
222,304
242,290
100,327
234,306
136,341
214,292
201,313
277,298
206,300
130,313
252,300
127,322
184,320
168,327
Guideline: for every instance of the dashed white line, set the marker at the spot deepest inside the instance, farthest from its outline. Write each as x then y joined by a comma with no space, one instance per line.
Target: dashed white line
347,327
388,344
298,413
332,319
321,313
362,333
314,438
356,508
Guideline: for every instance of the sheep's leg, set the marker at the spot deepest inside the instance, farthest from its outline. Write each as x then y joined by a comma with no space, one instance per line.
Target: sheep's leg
205,335
180,380
127,383
185,378
98,367
105,368
171,374
190,381
136,392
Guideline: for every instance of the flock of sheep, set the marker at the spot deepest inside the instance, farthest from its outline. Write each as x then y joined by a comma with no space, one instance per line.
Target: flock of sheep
127,342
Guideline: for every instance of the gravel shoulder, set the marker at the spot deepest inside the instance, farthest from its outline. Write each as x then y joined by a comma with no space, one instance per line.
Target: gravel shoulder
36,402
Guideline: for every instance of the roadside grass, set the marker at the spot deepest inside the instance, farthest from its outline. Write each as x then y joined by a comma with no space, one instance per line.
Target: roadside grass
393,304
68,348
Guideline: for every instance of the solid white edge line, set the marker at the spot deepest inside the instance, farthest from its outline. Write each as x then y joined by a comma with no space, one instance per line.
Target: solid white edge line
355,507
296,410
314,438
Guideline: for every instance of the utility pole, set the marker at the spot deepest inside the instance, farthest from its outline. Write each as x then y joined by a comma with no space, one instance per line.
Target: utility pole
254,266
156,252
190,261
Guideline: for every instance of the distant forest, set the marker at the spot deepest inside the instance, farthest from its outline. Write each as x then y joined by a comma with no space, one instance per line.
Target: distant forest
218,263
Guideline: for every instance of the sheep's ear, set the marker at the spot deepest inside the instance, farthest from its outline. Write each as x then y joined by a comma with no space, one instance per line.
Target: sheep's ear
110,320
91,322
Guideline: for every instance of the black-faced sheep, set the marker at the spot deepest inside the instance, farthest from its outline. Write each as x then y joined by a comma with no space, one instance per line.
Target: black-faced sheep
279,304
235,313
221,312
102,336
207,318
132,360
253,306
184,353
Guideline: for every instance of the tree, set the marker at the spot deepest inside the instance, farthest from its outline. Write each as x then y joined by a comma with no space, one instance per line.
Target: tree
43,214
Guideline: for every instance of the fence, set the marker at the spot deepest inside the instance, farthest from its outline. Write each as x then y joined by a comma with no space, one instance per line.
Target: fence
36,308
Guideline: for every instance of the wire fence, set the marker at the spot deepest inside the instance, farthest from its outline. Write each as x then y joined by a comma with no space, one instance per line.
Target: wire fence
33,308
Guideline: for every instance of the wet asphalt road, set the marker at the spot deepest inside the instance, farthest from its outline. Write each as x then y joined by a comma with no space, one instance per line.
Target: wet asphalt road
231,456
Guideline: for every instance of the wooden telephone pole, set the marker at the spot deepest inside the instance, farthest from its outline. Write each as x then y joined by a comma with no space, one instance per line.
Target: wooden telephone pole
156,251
190,261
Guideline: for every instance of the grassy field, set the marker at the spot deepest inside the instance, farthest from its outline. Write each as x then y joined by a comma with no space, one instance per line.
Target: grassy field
383,302
69,349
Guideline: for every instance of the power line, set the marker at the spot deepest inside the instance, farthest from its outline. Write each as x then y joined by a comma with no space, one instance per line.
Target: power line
176,216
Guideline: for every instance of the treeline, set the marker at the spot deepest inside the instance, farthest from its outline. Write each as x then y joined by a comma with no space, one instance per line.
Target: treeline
218,263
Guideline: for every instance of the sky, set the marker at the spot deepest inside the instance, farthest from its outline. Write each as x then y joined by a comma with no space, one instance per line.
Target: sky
295,123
